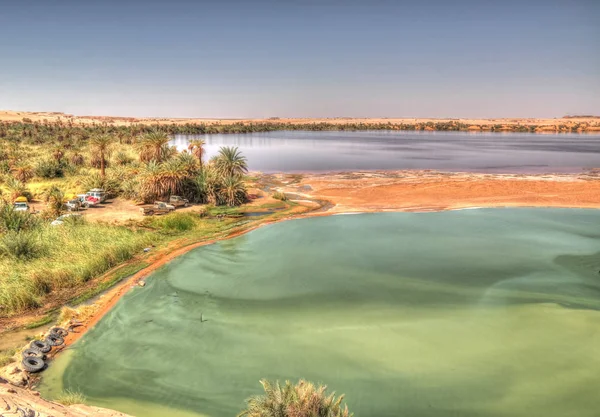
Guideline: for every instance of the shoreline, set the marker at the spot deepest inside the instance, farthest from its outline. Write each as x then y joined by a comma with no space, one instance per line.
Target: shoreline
364,192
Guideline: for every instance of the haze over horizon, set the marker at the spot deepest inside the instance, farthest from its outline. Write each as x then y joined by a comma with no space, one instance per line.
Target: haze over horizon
267,58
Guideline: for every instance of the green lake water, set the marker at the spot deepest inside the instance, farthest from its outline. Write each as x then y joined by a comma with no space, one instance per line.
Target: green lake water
491,312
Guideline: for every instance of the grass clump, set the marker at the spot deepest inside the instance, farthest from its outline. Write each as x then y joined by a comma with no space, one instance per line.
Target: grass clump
69,397
178,222
7,357
21,246
80,313
280,196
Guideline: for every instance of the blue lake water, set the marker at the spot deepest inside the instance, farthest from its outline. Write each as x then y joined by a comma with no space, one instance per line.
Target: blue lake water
301,151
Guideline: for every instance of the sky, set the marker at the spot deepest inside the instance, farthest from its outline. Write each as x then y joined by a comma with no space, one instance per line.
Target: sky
301,58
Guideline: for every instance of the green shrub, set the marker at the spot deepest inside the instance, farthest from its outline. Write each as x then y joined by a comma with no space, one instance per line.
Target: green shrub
12,220
111,183
4,167
121,158
49,168
20,245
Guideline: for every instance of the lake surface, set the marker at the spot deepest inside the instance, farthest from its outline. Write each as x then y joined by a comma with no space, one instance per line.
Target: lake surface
492,312
297,151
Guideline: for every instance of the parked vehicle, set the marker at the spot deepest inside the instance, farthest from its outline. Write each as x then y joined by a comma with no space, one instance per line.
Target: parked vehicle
159,207
73,205
87,201
21,204
177,201
97,193
61,219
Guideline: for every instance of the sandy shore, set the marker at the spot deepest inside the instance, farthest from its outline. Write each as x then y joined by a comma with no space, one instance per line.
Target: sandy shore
431,190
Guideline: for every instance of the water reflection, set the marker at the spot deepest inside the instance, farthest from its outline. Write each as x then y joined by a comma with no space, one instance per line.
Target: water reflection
373,150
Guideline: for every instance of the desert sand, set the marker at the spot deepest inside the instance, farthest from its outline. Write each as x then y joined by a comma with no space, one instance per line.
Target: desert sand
546,124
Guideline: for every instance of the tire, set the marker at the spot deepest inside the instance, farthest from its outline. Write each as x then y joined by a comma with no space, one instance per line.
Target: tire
41,345
54,340
59,331
33,364
33,352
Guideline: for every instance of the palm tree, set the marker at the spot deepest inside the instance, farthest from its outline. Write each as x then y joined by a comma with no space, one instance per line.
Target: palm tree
15,187
160,180
58,153
301,400
233,191
196,148
154,146
23,173
101,145
207,186
77,159
230,162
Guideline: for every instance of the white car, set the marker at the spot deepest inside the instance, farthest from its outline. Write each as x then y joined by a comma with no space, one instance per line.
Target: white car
21,206
61,219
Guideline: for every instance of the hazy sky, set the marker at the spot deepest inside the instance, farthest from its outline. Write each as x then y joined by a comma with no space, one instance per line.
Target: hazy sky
286,58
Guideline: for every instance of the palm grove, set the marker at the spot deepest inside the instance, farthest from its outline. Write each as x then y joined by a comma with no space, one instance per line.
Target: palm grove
162,171
157,171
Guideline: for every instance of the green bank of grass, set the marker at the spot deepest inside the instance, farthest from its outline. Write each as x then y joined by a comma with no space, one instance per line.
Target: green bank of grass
63,257
122,273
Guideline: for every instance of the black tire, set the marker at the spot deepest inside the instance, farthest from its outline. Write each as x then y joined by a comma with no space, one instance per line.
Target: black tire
59,331
41,345
54,340
33,364
33,352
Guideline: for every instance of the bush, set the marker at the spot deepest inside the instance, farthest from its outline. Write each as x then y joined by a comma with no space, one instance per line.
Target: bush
20,245
4,167
121,158
12,220
49,168
111,183
77,159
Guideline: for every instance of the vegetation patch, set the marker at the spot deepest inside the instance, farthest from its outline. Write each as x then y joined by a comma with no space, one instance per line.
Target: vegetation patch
69,397
116,277
7,357
47,319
